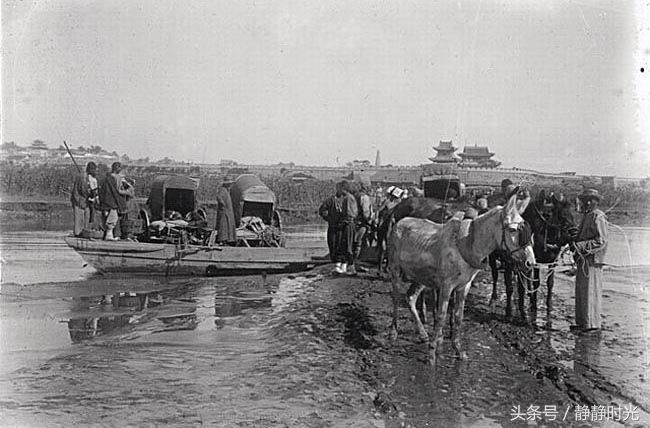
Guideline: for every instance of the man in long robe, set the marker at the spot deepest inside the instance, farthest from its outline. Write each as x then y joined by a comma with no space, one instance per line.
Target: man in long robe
226,227
589,249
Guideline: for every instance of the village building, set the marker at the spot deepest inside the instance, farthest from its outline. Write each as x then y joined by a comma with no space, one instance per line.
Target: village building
477,156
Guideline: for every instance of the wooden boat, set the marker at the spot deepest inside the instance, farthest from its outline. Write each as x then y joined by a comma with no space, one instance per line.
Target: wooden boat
169,259
175,254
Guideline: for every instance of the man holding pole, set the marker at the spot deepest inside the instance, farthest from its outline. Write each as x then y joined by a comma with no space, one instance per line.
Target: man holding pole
82,197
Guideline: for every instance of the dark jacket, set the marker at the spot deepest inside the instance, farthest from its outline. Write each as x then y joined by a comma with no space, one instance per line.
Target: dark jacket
329,212
110,197
80,191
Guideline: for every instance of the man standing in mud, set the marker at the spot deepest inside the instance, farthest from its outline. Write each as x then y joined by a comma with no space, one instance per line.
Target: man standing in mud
328,212
82,197
362,223
589,250
340,212
347,206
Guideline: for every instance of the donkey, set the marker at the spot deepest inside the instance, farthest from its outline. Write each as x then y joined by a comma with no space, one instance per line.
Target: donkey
436,256
553,226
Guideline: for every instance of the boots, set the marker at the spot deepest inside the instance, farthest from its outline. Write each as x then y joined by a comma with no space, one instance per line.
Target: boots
338,268
109,236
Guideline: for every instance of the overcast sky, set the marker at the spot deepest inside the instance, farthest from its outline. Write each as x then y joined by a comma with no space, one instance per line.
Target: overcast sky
550,85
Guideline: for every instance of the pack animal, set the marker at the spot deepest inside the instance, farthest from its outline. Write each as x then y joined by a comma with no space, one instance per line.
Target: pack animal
428,208
435,256
552,224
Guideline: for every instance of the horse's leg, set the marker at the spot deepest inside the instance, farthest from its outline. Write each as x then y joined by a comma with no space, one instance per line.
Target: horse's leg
422,310
441,315
450,309
458,297
550,280
533,295
507,278
412,295
521,289
395,280
492,260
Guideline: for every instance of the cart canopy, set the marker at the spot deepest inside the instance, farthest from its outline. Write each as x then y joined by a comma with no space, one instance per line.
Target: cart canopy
172,192
438,186
251,197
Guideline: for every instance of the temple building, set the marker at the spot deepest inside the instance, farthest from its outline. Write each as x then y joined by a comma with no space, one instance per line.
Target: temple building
445,153
477,156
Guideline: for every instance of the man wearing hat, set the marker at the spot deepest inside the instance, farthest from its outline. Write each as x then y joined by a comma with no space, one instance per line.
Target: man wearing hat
589,250
226,227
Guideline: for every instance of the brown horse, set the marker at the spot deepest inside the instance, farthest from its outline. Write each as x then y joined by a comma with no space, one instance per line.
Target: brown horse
430,255
552,224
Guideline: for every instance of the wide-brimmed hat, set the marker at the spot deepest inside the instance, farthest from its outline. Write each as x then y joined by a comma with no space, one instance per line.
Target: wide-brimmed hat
589,194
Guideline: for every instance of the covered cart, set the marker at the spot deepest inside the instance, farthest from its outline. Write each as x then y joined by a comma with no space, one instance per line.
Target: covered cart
255,211
442,186
172,193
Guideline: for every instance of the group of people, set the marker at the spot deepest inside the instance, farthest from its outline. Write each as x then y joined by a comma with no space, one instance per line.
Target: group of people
349,214
111,200
351,218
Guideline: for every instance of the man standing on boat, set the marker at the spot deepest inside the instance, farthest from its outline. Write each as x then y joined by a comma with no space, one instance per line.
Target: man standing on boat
226,227
112,199
589,253
82,197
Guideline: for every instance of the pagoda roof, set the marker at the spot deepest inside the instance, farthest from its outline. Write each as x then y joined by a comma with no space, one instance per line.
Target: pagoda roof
476,151
445,146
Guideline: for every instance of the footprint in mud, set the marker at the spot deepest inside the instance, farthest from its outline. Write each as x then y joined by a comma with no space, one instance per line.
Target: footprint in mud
359,330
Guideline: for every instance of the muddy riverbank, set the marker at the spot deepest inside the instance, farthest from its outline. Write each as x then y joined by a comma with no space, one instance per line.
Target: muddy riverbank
305,350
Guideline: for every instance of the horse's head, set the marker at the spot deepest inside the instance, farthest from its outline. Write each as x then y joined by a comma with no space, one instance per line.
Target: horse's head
516,233
563,217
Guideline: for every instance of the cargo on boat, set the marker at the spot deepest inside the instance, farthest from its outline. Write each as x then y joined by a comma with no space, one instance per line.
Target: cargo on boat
173,237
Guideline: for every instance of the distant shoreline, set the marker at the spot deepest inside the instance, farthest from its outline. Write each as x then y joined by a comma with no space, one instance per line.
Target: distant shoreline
50,213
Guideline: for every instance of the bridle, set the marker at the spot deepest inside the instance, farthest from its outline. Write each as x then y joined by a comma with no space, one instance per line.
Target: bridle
560,228
523,239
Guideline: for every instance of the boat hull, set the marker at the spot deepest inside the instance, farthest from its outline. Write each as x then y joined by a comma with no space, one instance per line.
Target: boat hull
168,259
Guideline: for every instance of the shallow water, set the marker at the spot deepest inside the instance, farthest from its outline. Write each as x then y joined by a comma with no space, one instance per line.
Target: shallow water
80,348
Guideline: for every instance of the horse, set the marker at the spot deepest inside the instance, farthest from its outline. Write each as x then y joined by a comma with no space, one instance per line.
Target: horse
553,225
436,256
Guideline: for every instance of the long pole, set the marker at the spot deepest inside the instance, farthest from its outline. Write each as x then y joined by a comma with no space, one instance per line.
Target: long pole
71,157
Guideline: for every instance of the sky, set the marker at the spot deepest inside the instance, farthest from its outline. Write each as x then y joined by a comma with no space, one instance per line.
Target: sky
549,85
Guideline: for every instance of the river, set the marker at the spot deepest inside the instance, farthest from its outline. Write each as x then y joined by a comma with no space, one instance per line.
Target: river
78,347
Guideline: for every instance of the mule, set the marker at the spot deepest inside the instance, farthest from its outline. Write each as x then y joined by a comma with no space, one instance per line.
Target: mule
553,226
436,256
428,208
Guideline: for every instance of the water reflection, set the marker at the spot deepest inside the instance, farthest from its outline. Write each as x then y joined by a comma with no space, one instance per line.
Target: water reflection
230,306
586,352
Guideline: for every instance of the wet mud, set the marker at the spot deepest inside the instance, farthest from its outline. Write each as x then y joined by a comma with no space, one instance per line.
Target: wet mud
307,350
